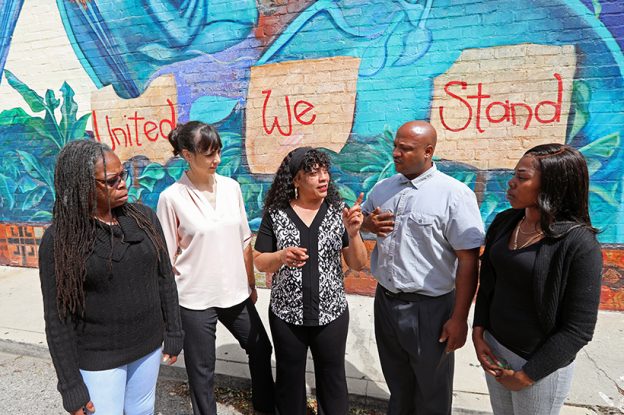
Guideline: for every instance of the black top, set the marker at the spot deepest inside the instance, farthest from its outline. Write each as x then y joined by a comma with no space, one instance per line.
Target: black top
566,290
513,316
313,294
128,312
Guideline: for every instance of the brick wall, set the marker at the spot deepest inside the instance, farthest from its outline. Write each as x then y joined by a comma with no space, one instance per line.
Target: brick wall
495,78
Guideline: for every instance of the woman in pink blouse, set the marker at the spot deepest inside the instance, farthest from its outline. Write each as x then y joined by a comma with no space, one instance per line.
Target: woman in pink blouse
208,239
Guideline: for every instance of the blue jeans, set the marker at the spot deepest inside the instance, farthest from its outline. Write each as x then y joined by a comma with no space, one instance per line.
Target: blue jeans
129,389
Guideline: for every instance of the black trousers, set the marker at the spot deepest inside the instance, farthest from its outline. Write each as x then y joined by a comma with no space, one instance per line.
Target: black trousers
327,344
418,372
244,323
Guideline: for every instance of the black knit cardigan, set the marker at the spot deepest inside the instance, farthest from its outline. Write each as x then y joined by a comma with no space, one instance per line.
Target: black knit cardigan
566,289
129,312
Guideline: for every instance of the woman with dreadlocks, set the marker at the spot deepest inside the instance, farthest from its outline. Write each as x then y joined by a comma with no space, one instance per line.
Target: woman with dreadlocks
305,229
109,295
208,238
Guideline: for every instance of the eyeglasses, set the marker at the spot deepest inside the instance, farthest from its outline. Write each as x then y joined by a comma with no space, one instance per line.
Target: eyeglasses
114,180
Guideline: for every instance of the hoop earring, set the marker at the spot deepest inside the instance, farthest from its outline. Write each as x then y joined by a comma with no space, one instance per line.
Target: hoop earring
296,193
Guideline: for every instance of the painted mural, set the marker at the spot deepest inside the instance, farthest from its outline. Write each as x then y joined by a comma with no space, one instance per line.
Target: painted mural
495,77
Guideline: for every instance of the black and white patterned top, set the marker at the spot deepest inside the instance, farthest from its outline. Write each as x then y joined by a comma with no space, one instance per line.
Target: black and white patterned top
314,294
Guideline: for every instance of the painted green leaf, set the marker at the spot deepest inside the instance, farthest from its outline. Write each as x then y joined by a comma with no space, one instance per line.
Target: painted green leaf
597,8
50,99
53,133
15,116
68,112
42,216
33,198
152,171
78,128
19,116
387,171
489,205
229,165
27,184
150,175
176,167
581,96
31,164
607,192
212,109
134,194
347,194
7,191
260,197
34,100
9,165
370,181
602,148
34,168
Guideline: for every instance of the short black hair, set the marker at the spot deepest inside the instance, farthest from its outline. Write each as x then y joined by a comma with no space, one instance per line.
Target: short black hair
194,136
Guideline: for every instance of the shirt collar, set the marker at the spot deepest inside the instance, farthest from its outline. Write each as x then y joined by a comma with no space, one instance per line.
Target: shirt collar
417,181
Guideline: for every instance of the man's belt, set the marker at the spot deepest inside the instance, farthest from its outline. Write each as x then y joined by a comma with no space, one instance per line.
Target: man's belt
409,296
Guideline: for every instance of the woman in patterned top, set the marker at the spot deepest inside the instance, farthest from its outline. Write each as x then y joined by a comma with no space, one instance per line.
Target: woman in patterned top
304,229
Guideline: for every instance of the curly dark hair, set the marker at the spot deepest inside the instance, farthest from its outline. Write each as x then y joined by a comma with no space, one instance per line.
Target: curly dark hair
282,191
564,186
73,219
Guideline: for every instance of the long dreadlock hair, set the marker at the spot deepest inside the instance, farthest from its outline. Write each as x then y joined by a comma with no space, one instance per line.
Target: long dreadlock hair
73,218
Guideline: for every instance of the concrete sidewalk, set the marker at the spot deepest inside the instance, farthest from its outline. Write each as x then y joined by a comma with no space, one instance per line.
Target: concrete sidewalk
597,387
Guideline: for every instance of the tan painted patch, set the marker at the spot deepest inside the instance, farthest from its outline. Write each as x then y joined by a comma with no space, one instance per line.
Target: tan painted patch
297,103
495,103
140,125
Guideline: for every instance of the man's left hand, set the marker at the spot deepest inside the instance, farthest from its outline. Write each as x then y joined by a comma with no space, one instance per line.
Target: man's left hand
454,333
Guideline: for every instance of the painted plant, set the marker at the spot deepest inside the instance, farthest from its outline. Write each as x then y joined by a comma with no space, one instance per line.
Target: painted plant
27,169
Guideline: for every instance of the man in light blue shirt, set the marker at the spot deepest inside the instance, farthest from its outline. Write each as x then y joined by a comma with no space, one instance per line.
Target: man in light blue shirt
429,231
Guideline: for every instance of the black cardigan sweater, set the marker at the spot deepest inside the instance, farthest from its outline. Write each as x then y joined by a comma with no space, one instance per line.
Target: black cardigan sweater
128,313
566,288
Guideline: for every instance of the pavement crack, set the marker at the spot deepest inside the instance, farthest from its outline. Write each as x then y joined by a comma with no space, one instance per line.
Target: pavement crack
605,374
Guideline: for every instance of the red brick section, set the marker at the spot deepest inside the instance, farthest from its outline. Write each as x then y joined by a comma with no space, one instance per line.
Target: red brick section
275,15
612,296
19,244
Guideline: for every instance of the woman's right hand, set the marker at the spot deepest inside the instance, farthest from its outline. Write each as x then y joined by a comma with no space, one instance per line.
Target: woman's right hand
489,362
89,407
293,256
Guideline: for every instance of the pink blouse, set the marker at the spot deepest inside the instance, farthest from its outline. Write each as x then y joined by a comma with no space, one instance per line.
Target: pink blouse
206,244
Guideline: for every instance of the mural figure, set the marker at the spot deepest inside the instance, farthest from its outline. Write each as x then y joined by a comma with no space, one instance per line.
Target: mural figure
9,11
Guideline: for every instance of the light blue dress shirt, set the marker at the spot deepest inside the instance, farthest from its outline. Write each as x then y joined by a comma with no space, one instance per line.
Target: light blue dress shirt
435,215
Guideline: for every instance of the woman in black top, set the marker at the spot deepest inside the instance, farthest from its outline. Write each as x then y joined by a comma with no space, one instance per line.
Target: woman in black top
539,284
109,296
304,230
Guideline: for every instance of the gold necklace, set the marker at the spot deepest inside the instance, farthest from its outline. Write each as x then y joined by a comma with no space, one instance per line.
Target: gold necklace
109,223
523,232
528,241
